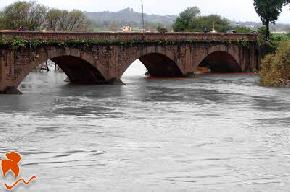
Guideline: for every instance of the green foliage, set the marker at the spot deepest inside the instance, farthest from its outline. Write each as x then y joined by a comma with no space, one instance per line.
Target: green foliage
74,20
242,29
275,69
21,43
267,46
2,24
269,11
191,21
53,17
209,22
280,37
17,43
32,16
271,45
27,14
262,35
186,19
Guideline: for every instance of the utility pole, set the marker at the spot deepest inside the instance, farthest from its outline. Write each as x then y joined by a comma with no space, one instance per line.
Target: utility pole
143,22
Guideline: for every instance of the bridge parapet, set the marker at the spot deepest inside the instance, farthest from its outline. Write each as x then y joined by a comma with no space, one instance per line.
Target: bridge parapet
109,36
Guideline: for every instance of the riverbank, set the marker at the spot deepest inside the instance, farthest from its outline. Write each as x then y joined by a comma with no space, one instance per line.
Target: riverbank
275,68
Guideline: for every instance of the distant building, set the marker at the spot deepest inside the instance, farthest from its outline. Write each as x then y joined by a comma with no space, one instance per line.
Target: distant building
126,29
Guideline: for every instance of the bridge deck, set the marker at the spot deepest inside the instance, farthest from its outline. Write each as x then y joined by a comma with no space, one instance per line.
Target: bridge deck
110,36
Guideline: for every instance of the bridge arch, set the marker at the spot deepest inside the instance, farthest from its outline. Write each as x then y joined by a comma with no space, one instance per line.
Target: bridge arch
80,68
220,62
157,65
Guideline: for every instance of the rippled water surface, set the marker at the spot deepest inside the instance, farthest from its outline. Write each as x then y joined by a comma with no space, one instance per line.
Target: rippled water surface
212,133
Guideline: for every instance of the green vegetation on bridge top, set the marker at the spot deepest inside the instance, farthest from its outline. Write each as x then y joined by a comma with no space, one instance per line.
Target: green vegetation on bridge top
23,43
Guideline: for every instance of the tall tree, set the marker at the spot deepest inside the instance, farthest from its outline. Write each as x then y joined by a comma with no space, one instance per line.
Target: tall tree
77,21
27,14
185,19
52,19
32,16
269,11
74,20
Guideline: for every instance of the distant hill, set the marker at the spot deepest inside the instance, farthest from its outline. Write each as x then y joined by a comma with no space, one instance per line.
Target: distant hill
128,17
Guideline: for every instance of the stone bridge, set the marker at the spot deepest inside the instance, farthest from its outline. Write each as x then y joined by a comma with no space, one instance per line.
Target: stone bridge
101,58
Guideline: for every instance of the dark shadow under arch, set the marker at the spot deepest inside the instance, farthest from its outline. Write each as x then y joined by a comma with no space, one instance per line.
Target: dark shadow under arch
159,65
78,70
220,62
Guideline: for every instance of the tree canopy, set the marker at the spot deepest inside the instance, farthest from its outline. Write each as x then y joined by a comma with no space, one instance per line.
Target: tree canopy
269,11
21,13
32,16
209,22
61,20
185,20
190,20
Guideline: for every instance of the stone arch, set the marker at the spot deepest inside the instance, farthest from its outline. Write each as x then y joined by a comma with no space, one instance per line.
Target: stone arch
220,62
157,64
78,70
79,67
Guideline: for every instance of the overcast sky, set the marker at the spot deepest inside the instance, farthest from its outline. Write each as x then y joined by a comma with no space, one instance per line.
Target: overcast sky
239,10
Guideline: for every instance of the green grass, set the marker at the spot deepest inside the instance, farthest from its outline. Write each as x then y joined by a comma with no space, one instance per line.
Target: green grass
281,36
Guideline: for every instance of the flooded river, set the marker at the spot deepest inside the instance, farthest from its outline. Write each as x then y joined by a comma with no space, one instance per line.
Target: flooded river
211,133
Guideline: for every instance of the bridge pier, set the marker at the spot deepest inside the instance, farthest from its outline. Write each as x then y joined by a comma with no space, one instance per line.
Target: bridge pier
2,73
11,90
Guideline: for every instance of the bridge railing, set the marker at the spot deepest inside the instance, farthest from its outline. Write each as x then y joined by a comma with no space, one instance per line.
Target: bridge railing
108,36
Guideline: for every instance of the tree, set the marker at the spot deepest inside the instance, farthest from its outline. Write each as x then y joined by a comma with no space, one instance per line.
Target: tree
186,19
62,20
59,20
52,19
269,11
2,24
32,16
206,23
242,29
77,21
190,20
27,14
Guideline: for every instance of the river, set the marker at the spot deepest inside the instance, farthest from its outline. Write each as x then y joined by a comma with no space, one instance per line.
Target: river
210,133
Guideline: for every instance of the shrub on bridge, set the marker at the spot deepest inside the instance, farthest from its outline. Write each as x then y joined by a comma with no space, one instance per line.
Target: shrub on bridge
275,69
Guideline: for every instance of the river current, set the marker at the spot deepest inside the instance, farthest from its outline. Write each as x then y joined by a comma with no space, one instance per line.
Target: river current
209,133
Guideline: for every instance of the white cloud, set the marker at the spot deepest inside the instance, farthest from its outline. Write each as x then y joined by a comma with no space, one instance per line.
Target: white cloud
240,10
